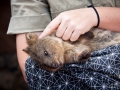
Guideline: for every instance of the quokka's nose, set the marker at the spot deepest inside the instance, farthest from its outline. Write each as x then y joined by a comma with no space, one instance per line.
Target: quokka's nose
55,65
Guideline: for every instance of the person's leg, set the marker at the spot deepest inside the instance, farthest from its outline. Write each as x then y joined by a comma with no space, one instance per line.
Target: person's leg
100,71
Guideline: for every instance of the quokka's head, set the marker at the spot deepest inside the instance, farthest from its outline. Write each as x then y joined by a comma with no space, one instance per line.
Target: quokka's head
48,52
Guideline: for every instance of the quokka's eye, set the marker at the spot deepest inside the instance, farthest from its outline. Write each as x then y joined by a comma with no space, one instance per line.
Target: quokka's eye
45,53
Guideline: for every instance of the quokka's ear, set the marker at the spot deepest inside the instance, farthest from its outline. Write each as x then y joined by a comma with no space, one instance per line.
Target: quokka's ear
31,38
26,50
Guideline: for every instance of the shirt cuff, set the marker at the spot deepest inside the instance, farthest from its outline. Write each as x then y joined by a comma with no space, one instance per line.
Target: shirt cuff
25,24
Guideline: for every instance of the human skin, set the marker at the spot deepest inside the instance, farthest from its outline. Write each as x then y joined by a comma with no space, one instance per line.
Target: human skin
70,25
21,55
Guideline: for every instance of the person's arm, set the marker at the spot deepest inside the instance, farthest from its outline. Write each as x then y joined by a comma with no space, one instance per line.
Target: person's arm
27,16
71,24
22,56
109,18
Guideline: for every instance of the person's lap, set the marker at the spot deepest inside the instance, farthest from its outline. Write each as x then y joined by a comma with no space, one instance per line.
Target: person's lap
100,71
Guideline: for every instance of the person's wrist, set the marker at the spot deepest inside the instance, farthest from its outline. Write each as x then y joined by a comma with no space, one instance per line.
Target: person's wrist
95,20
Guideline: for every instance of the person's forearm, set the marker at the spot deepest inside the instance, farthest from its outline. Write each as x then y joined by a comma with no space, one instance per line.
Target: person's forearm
22,56
109,18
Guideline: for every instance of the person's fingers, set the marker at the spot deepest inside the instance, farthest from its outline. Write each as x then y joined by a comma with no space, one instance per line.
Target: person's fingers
67,34
51,26
62,28
75,35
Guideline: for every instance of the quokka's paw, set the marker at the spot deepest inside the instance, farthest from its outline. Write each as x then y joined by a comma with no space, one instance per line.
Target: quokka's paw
88,35
82,53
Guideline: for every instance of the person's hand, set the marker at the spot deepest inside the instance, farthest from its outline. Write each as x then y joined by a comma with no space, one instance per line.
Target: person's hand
71,24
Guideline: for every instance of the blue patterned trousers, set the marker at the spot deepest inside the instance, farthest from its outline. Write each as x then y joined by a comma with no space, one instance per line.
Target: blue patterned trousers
100,72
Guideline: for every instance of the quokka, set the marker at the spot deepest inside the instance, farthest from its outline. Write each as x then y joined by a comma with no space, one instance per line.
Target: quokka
52,52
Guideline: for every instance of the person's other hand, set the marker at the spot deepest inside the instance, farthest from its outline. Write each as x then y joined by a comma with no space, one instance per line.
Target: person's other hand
71,24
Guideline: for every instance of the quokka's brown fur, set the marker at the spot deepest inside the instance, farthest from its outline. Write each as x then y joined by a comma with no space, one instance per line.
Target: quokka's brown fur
52,52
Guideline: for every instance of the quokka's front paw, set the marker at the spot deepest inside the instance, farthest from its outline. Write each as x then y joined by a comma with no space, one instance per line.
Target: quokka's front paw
82,53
